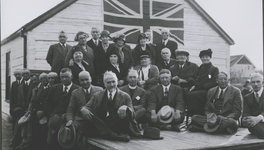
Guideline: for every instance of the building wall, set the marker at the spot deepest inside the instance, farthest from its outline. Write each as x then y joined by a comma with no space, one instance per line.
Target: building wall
242,70
16,59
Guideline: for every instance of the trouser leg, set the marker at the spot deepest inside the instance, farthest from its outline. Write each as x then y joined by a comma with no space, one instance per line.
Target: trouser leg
140,115
258,129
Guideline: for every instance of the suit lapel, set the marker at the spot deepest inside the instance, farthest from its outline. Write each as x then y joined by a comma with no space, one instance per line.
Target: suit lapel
82,95
117,99
261,101
215,91
171,93
227,94
160,96
59,47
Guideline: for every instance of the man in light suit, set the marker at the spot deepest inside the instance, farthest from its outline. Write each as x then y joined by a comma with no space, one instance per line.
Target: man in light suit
56,104
94,42
137,95
167,61
166,94
166,42
226,102
253,111
57,53
110,113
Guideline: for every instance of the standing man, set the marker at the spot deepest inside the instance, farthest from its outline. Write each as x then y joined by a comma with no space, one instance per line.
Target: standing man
137,94
14,88
166,42
56,105
225,103
110,112
57,53
253,111
167,61
163,96
94,42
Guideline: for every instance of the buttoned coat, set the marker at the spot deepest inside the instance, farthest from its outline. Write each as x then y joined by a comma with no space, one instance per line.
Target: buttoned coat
138,97
170,45
24,97
232,103
251,107
14,93
175,98
77,101
56,57
91,44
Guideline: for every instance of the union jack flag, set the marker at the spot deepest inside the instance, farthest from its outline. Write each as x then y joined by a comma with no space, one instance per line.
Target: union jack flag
133,17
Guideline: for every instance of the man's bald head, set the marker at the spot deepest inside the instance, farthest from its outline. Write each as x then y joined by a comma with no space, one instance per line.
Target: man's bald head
85,79
84,74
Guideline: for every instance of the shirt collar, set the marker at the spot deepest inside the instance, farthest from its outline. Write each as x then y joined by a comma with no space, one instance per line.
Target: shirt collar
259,92
89,89
28,81
96,41
167,61
68,87
63,44
113,93
166,41
182,65
132,87
168,87
223,89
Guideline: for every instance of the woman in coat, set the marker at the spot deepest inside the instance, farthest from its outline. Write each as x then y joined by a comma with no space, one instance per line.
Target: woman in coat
205,80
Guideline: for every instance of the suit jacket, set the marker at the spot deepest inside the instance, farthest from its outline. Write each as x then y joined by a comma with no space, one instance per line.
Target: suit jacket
232,104
138,98
77,101
54,97
251,107
56,57
136,52
24,97
153,76
128,58
88,56
188,72
170,45
76,70
162,64
14,93
175,98
121,98
91,44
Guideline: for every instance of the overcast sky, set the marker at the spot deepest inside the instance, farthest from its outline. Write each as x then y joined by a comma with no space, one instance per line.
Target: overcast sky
241,20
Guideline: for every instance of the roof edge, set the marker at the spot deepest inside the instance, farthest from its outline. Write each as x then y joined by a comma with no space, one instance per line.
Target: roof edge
40,19
211,21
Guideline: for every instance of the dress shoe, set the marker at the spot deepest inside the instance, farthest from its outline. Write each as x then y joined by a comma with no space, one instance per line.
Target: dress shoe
123,137
175,128
194,128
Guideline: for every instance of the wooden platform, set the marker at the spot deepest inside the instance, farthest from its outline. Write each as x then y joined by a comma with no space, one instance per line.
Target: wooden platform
186,140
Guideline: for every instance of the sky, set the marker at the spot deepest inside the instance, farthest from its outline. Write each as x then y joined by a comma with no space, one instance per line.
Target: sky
240,19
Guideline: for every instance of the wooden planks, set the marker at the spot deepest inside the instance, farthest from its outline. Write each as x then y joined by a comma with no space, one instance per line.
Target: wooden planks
186,140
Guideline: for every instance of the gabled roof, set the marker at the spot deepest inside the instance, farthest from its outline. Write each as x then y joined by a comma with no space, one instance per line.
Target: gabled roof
53,11
236,58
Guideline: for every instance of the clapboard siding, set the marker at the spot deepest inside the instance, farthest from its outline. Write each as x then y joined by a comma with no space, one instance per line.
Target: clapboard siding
15,47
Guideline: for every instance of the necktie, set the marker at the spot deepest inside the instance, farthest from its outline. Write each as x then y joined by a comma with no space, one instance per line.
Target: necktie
18,82
221,94
163,43
257,97
166,92
166,63
87,95
110,97
180,67
64,49
65,90
95,42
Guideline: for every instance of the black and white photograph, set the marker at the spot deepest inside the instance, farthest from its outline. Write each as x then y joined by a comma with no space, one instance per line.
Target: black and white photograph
132,74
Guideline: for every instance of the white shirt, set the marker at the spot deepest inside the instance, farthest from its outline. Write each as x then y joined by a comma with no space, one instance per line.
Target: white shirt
68,87
63,44
223,90
166,41
20,81
181,66
143,48
164,87
132,87
259,92
89,89
168,62
96,41
113,94
145,71
27,82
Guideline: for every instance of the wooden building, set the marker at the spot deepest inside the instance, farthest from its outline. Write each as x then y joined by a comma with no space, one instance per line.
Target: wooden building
28,46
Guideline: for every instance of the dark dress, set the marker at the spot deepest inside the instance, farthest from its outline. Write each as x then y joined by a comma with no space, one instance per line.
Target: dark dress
205,80
137,51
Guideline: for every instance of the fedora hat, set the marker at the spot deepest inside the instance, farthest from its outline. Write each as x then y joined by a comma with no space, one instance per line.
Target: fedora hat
67,136
213,123
165,114
16,110
24,118
152,133
55,123
42,119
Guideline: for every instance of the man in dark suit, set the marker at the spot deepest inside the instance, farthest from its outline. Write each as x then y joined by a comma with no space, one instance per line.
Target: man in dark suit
166,42
137,95
110,112
166,94
226,102
167,61
57,53
56,105
24,98
94,42
183,72
253,111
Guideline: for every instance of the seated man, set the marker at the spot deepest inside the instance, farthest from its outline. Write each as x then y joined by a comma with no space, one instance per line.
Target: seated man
110,113
79,98
167,60
224,101
137,95
253,110
163,95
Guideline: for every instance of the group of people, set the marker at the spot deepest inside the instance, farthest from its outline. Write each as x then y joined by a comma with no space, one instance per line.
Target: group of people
98,89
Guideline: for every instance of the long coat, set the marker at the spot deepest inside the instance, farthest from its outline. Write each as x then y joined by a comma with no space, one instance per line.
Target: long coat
14,93
24,97
175,98
138,50
170,45
56,57
251,107
188,72
77,101
153,76
232,103
138,97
